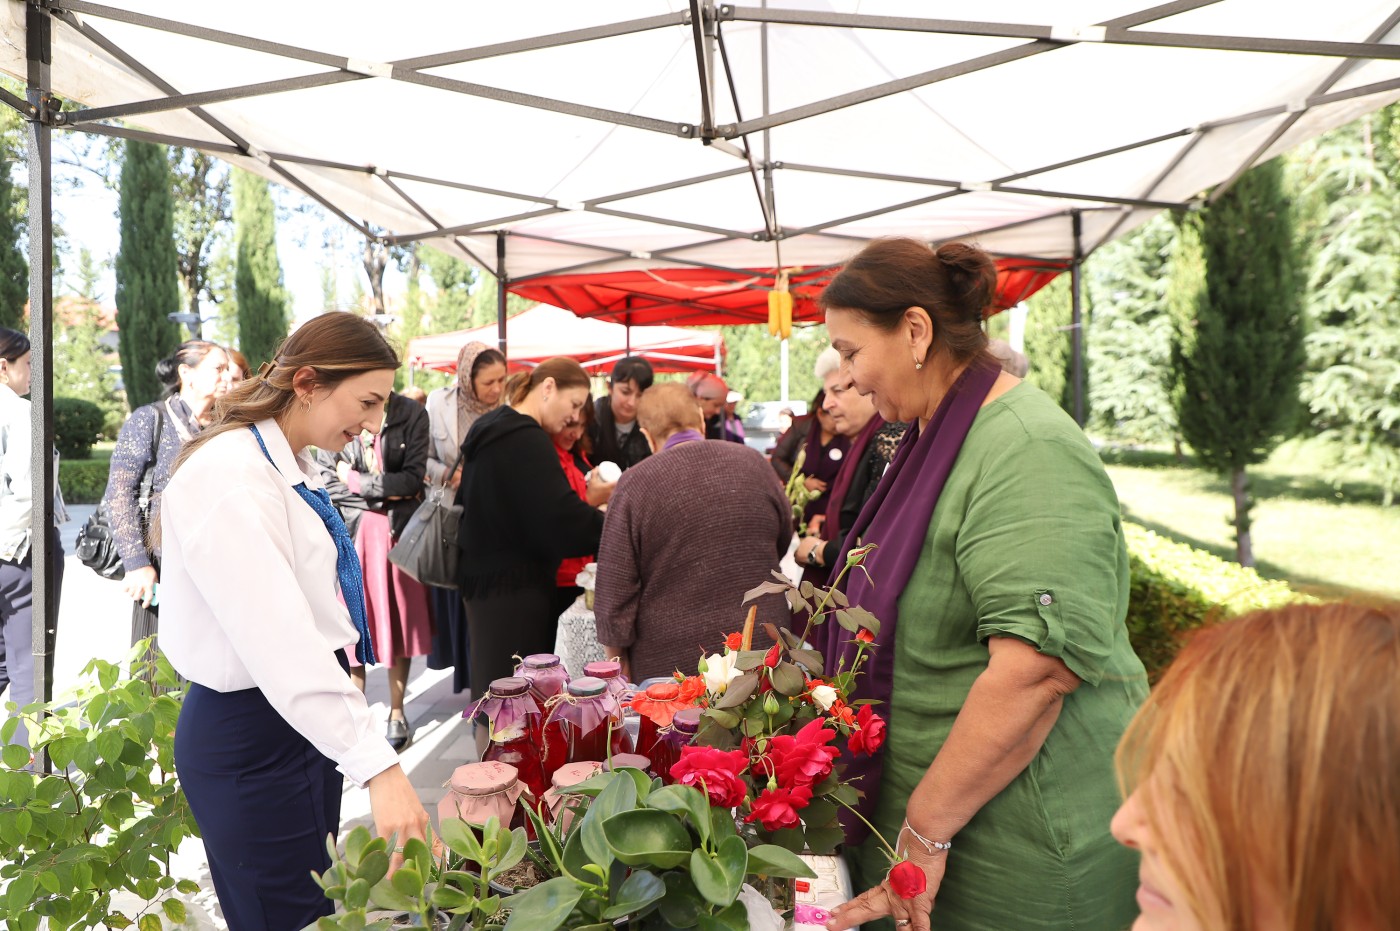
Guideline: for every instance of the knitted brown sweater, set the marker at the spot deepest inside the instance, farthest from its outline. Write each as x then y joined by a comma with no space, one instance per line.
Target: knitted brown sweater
688,531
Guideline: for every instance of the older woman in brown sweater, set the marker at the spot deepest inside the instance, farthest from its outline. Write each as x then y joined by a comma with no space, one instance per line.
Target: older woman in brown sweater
689,530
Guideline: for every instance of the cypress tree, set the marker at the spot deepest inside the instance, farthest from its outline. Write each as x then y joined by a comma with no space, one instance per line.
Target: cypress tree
1237,348
147,283
262,300
14,270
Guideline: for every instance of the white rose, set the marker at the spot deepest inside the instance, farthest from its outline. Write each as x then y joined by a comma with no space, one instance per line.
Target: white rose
824,696
720,670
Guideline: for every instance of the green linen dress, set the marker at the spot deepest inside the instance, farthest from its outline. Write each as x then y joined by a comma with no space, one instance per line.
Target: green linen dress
1026,541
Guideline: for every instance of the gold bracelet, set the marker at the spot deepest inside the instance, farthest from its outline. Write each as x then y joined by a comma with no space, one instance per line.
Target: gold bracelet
929,845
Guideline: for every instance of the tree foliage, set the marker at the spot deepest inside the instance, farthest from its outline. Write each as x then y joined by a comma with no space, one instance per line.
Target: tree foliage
1048,341
263,316
1237,348
203,210
753,364
1349,206
1130,340
14,269
147,286
80,368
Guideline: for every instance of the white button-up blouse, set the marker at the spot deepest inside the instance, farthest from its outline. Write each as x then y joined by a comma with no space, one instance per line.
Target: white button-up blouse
249,596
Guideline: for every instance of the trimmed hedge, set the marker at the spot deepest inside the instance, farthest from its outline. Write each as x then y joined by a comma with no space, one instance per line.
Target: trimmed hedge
83,480
77,425
1177,588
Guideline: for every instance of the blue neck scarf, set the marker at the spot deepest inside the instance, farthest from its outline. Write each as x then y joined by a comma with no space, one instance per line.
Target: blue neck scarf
347,561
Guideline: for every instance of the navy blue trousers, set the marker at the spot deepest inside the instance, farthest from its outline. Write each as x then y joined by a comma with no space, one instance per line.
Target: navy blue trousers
264,799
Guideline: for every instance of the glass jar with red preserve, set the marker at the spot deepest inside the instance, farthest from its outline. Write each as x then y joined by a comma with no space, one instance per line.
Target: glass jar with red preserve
590,722
513,725
667,750
656,707
610,671
556,804
548,678
479,791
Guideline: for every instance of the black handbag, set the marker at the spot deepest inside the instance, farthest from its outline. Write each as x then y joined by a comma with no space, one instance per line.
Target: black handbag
97,545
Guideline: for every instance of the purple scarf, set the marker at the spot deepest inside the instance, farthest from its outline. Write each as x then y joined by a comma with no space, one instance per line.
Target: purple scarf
682,436
913,483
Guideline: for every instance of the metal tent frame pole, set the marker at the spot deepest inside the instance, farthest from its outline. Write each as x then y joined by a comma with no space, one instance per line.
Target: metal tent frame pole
501,282
1076,330
39,119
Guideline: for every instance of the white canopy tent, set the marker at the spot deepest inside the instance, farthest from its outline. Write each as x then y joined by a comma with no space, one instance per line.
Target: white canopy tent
538,138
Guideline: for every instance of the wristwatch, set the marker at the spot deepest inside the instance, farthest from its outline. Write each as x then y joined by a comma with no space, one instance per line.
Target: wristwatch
812,557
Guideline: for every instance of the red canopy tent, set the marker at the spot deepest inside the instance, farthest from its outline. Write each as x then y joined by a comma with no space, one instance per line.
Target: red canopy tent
696,296
543,332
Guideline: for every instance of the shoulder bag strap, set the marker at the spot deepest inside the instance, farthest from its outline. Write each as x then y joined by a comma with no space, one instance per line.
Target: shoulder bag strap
148,475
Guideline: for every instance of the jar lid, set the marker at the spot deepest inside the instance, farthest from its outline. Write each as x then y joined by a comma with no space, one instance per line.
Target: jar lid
587,687
510,686
687,720
628,761
665,690
484,778
540,661
571,774
603,669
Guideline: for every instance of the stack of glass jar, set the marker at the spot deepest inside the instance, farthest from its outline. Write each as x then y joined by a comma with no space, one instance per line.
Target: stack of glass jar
514,726
585,724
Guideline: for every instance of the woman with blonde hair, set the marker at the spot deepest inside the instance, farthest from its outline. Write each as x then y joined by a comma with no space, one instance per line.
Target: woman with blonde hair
1263,776
520,518
257,562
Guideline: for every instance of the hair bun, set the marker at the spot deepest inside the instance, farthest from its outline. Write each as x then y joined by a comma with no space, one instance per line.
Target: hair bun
168,371
972,276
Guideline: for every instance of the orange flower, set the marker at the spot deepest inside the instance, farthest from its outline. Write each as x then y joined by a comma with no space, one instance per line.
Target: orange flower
865,636
660,702
734,641
692,687
839,712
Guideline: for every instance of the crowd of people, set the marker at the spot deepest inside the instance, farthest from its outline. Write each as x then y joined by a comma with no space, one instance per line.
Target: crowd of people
1260,778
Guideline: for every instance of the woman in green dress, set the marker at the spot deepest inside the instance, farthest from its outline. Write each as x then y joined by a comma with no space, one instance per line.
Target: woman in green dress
1001,579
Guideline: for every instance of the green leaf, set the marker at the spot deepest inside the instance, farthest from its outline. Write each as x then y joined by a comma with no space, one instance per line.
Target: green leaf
20,894
772,860
724,718
149,922
357,893
682,905
739,691
575,858
719,877
844,618
460,839
647,837
824,840
684,800
811,660
452,899
16,756
186,887
637,892
514,851
788,679
384,895
110,744
374,866
545,907
408,881
355,848
174,910
733,918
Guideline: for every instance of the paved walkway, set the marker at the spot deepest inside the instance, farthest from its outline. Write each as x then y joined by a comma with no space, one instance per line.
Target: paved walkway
95,622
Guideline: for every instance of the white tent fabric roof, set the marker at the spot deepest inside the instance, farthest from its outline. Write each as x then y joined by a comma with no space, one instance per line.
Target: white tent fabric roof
450,123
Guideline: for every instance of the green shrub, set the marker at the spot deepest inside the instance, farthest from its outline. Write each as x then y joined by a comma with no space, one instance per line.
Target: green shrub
77,425
84,480
1176,589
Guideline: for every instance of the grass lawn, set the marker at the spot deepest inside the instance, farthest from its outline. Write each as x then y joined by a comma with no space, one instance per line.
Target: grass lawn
1323,539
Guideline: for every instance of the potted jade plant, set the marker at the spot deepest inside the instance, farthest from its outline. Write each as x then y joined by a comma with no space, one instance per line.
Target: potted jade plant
451,890
647,857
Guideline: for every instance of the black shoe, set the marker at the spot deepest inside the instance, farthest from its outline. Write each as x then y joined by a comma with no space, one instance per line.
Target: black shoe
398,734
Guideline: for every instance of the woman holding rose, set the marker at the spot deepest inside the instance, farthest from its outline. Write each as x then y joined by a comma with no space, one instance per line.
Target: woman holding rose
1002,663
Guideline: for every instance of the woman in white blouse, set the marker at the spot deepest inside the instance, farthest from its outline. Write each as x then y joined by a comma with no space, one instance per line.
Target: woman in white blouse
256,564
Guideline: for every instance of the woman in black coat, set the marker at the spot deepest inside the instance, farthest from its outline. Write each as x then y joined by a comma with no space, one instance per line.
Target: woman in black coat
520,518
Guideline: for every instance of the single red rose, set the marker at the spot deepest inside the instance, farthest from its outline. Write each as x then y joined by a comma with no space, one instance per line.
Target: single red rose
774,654
871,734
865,636
907,879
803,758
715,772
734,641
778,808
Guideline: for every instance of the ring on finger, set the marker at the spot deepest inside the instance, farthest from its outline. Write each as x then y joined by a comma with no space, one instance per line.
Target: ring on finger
901,922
